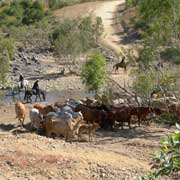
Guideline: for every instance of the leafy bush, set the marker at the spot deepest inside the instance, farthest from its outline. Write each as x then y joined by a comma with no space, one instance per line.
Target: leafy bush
35,35
167,160
171,55
22,12
56,4
167,118
130,3
93,72
73,37
6,54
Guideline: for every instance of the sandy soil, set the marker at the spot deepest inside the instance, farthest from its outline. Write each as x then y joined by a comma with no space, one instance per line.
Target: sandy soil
107,11
111,37
118,155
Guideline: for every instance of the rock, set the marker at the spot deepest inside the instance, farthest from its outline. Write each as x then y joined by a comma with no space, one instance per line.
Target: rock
21,49
15,69
10,163
34,59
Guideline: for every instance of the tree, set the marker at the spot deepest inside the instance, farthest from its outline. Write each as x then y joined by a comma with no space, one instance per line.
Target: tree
93,72
6,54
75,37
22,12
143,84
162,20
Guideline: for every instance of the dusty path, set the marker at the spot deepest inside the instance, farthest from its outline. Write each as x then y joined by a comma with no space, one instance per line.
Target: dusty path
107,12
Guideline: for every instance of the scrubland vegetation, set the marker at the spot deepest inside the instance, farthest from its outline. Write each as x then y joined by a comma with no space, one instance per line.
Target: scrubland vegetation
31,24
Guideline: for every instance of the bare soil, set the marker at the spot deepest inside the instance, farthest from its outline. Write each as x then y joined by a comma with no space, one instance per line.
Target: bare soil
119,155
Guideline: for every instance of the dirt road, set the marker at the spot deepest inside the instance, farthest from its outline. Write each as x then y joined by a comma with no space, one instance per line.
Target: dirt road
107,11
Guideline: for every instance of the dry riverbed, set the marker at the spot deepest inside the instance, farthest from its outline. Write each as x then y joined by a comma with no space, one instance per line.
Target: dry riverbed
118,155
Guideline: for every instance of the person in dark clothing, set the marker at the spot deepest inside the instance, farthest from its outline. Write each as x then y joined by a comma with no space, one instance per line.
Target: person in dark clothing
21,79
36,86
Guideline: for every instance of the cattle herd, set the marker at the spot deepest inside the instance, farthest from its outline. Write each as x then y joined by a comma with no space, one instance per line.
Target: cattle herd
76,117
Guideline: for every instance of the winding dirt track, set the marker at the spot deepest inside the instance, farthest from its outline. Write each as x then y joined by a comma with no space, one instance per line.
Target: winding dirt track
107,12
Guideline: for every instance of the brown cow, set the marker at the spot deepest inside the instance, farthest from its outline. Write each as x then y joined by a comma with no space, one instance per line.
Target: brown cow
92,115
143,112
44,109
120,115
20,110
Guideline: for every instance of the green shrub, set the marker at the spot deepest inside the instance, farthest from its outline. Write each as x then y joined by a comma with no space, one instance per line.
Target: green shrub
56,4
6,54
22,12
167,160
171,55
93,72
74,37
167,118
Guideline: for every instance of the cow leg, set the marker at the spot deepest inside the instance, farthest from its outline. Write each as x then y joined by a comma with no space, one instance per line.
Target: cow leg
118,70
89,136
39,96
36,98
78,136
148,122
23,121
139,121
25,96
122,123
129,124
111,126
48,134
29,99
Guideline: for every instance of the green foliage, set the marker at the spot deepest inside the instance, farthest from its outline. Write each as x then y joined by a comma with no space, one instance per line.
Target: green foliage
36,35
167,160
167,118
161,19
6,54
56,4
144,83
131,3
93,72
147,55
171,54
73,37
148,80
22,12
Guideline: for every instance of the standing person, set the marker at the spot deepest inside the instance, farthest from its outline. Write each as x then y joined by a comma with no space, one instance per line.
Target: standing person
21,79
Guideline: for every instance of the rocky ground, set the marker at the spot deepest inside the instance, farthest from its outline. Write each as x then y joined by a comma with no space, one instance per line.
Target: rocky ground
119,155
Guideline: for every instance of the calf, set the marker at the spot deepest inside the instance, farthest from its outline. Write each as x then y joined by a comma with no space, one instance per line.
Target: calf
90,128
20,110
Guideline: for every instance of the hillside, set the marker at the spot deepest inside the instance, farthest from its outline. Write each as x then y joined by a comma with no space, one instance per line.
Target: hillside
53,44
